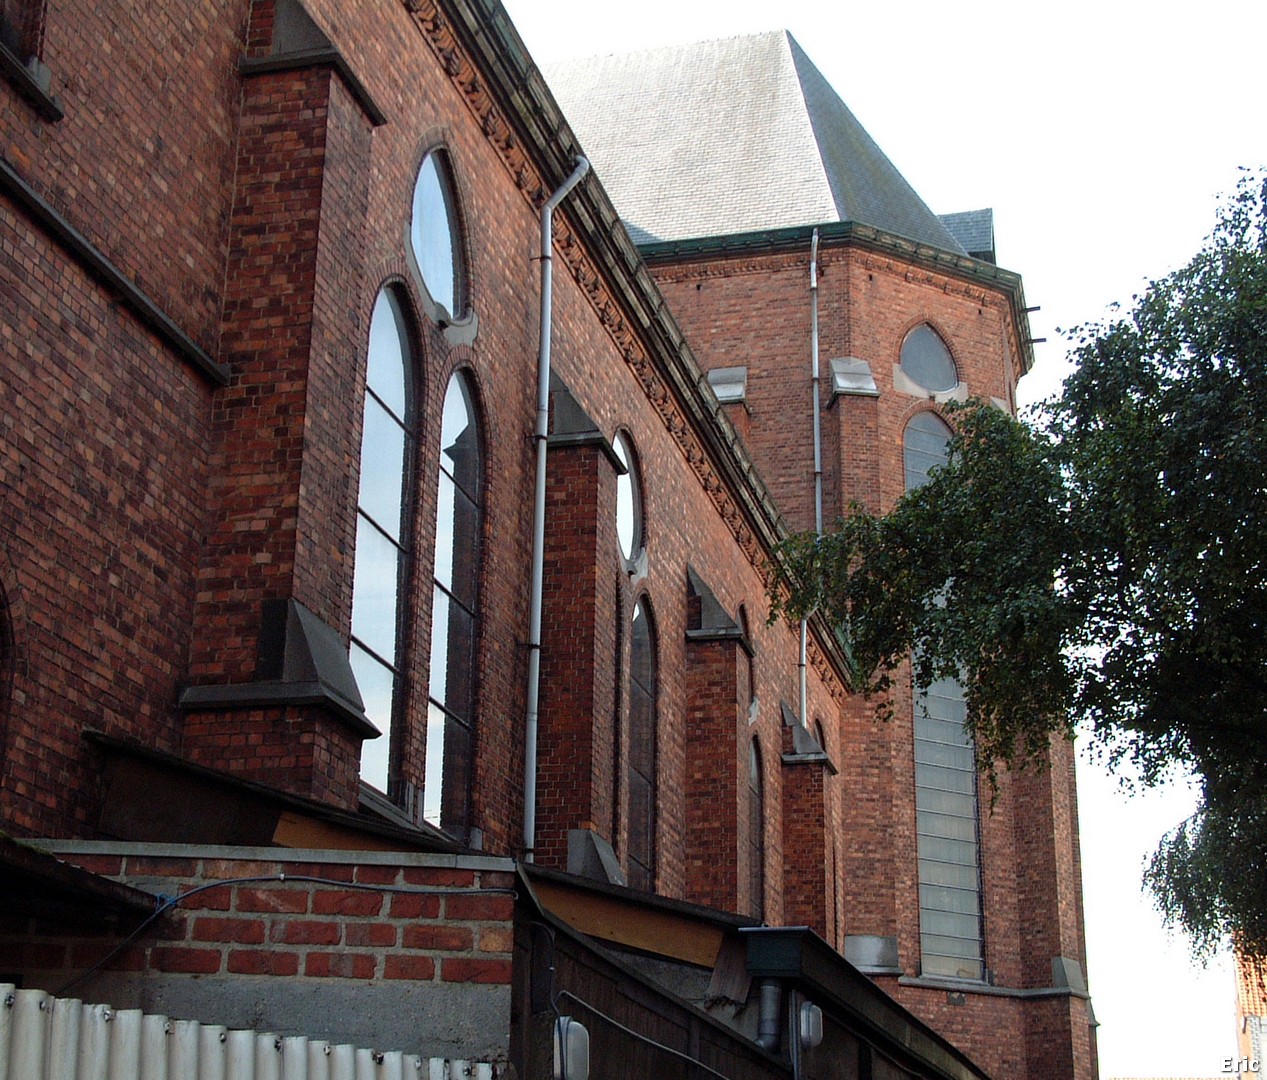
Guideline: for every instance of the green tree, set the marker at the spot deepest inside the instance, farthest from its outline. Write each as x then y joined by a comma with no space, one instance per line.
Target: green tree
1103,567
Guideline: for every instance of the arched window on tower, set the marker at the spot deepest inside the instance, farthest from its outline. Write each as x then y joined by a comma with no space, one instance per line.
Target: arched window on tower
756,832
952,940
927,361
455,611
383,519
643,691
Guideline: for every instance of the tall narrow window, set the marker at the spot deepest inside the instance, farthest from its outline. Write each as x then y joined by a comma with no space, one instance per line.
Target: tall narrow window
382,527
926,360
642,750
434,235
756,833
454,612
946,810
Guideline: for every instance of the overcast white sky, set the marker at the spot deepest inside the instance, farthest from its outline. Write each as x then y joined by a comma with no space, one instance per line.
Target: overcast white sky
1100,133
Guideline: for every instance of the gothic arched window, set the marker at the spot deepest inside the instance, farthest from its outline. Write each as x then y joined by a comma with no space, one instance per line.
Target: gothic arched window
435,237
946,811
629,524
383,519
927,361
455,610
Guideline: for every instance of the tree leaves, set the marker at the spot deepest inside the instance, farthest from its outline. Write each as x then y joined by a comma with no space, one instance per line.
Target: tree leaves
1103,564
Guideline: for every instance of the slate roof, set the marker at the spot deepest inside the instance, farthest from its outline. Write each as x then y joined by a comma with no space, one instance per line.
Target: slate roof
974,229
732,136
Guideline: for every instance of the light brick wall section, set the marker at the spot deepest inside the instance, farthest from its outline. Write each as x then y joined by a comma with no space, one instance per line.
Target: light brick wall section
259,911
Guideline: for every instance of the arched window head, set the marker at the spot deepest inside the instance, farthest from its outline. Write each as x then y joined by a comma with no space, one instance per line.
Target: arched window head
643,692
383,517
629,526
756,832
454,611
927,361
924,446
435,236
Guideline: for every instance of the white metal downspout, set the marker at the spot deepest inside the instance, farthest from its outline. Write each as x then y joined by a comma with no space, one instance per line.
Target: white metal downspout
818,455
539,506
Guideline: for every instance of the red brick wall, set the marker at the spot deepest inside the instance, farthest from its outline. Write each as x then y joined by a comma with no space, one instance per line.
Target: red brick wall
576,779
717,778
806,816
103,462
363,921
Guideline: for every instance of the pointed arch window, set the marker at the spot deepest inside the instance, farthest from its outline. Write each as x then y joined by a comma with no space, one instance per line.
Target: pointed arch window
946,809
435,237
382,527
756,832
643,692
927,361
629,524
455,611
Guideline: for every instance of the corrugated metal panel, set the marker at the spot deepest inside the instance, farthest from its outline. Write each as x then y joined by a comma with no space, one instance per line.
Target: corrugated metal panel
48,1038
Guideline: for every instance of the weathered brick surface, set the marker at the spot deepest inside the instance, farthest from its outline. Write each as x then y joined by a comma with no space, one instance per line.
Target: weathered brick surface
290,929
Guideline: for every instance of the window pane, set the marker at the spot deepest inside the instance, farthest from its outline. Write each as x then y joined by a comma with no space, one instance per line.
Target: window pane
439,689
948,874
642,656
948,826
458,516
387,366
926,359
628,508
433,783
375,683
641,830
935,753
458,659
382,468
432,233
964,901
374,590
641,731
459,439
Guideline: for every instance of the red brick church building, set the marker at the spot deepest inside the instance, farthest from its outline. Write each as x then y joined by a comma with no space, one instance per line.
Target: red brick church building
394,444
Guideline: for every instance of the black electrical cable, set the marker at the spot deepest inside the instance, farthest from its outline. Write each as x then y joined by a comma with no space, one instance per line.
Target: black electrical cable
166,903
